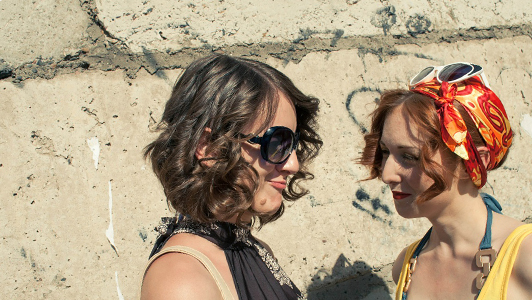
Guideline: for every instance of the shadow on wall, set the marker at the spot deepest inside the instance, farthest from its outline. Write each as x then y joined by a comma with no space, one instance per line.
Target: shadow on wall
348,282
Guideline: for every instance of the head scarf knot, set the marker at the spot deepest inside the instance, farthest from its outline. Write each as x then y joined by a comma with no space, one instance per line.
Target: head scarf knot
453,127
447,94
486,110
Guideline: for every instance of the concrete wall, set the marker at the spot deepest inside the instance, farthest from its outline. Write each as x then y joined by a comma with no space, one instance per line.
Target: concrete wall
83,82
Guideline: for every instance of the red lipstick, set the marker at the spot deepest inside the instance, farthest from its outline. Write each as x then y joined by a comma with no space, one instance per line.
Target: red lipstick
399,195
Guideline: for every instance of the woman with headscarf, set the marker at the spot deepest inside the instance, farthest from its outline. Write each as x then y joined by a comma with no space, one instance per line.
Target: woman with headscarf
433,145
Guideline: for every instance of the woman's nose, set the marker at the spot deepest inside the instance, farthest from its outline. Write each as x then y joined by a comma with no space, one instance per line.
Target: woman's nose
291,165
390,173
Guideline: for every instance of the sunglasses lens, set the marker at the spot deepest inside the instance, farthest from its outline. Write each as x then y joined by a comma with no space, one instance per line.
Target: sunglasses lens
280,145
454,72
419,77
476,68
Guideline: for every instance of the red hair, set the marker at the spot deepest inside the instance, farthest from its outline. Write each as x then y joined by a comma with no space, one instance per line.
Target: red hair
422,113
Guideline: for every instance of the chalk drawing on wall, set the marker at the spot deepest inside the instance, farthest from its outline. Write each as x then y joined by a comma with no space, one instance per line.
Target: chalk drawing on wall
359,104
418,24
371,206
384,18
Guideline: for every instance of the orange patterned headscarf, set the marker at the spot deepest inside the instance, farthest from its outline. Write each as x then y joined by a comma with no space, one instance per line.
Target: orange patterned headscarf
487,112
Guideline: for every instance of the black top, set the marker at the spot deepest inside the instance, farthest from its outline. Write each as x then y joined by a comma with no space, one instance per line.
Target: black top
256,274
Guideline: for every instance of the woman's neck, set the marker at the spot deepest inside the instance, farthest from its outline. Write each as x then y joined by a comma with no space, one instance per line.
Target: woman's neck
246,218
460,226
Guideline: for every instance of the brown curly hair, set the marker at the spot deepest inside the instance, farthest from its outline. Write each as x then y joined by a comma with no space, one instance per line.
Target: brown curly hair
225,94
422,111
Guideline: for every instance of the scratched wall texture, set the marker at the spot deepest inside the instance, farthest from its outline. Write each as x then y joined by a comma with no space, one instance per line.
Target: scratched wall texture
82,83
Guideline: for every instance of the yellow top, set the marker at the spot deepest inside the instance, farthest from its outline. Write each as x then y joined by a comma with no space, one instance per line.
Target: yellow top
495,287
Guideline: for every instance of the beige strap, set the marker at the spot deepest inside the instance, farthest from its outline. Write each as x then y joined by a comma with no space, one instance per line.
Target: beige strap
207,263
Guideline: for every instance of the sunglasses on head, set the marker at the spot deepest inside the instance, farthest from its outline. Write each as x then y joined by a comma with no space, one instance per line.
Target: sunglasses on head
276,144
450,73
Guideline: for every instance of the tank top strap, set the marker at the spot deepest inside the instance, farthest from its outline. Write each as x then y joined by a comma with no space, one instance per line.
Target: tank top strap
207,263
399,295
496,284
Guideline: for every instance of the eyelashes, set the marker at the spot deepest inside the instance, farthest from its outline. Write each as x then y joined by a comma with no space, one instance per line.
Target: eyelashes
410,157
405,157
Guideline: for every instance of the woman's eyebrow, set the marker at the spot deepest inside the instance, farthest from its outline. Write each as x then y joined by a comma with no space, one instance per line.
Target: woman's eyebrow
406,147
400,146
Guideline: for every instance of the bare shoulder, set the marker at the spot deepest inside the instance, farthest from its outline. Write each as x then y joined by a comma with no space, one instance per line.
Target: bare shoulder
523,264
398,265
175,276
504,225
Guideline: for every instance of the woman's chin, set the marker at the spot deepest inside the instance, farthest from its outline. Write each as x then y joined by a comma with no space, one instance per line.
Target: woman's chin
406,212
269,206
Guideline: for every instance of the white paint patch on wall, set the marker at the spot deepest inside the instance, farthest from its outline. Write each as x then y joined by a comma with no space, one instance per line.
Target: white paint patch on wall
526,124
109,233
120,296
94,145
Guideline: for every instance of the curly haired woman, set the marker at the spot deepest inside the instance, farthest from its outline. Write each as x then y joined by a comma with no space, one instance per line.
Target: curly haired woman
236,139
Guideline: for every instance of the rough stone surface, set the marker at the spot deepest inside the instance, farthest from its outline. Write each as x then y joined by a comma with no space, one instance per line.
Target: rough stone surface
159,24
43,29
99,75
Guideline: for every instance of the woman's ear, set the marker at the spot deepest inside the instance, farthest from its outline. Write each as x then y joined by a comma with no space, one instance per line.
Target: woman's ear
201,149
484,153
484,157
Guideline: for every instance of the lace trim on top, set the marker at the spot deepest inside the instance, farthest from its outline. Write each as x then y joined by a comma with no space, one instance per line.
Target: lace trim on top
219,234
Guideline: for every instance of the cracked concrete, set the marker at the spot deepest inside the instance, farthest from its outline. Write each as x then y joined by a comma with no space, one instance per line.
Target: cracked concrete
109,54
124,36
71,71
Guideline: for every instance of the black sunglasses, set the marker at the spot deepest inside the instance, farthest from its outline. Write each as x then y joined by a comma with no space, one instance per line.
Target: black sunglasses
276,144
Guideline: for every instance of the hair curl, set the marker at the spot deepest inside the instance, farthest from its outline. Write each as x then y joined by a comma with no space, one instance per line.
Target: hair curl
225,94
422,111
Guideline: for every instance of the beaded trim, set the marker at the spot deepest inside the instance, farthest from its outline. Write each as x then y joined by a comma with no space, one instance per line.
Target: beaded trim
242,236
